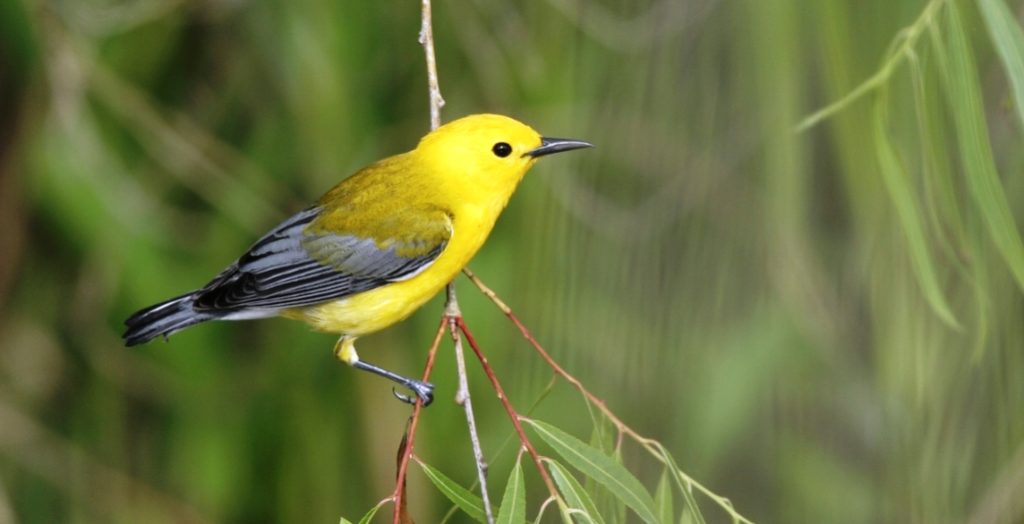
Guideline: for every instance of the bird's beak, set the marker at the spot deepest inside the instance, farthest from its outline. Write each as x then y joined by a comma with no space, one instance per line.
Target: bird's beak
556,145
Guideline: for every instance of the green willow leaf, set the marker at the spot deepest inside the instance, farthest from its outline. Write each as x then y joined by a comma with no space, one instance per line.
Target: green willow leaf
513,502
938,189
369,515
602,468
611,508
975,149
619,508
460,496
1009,43
663,499
575,496
901,193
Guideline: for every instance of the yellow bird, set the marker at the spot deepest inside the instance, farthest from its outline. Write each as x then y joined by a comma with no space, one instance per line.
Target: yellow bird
375,247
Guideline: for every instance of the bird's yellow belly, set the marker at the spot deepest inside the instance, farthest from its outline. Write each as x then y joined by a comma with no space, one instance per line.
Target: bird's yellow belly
376,309
369,311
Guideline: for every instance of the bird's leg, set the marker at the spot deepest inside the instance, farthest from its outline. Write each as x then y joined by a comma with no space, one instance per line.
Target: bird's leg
345,350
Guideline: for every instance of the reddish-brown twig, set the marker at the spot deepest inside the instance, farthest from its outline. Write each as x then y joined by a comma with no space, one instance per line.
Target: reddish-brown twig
593,399
512,413
654,447
410,434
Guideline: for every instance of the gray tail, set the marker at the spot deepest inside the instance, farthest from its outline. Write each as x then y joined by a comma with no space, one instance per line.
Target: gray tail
163,319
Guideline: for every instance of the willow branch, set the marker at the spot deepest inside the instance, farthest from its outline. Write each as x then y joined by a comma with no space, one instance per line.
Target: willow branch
427,39
652,446
905,41
462,398
452,313
398,496
513,415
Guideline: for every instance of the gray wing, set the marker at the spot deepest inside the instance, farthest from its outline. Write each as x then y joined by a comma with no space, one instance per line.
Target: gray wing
290,268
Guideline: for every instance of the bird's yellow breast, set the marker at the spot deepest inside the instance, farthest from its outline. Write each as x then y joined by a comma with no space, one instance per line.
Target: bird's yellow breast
376,309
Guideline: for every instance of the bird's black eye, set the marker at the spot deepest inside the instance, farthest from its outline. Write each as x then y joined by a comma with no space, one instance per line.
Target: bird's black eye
502,149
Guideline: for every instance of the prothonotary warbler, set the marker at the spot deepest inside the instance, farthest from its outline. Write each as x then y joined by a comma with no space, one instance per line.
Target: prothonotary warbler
376,246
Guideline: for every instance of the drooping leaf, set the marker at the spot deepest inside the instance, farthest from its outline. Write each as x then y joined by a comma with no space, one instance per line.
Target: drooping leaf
663,499
1008,40
612,509
513,502
575,496
368,517
602,468
460,496
899,187
976,150
690,507
618,508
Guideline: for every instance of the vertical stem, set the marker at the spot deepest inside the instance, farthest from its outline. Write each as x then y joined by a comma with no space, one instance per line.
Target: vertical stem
513,415
462,397
410,432
436,103
452,313
427,39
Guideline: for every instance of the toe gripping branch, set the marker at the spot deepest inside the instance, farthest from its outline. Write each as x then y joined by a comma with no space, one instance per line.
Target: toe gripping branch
423,390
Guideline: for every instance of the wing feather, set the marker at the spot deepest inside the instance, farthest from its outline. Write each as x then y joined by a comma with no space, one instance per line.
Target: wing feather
296,265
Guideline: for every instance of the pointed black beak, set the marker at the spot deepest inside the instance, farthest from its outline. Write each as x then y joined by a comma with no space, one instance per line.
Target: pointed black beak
556,145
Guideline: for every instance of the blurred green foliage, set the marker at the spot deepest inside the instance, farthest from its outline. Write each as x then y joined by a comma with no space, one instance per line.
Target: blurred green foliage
824,326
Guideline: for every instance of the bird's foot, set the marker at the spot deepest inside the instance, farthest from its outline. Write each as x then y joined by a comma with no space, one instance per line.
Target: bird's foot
424,392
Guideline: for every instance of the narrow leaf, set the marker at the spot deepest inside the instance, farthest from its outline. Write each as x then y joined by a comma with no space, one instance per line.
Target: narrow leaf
602,468
663,499
618,515
939,192
975,149
575,496
1009,43
460,496
900,192
690,507
369,515
513,502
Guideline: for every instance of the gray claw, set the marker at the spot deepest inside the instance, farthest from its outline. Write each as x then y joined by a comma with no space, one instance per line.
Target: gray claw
423,390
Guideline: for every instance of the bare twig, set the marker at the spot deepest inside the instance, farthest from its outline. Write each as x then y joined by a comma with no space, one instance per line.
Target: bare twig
427,39
462,398
652,446
512,413
902,49
452,315
410,433
451,307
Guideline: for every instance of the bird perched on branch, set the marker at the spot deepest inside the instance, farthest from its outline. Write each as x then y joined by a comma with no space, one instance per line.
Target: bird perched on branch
375,247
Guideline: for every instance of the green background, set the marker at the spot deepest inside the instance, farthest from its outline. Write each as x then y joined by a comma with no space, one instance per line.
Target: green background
817,329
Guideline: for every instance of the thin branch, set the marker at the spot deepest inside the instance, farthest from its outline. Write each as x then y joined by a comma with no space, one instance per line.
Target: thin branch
427,39
512,414
654,447
906,40
462,398
452,314
410,434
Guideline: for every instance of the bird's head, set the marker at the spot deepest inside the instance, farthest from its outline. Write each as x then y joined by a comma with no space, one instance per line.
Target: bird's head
488,153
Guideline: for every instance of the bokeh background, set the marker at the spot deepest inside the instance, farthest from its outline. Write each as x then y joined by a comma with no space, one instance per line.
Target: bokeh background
823,326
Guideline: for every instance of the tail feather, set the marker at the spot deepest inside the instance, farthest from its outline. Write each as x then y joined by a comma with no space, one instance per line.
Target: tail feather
163,319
